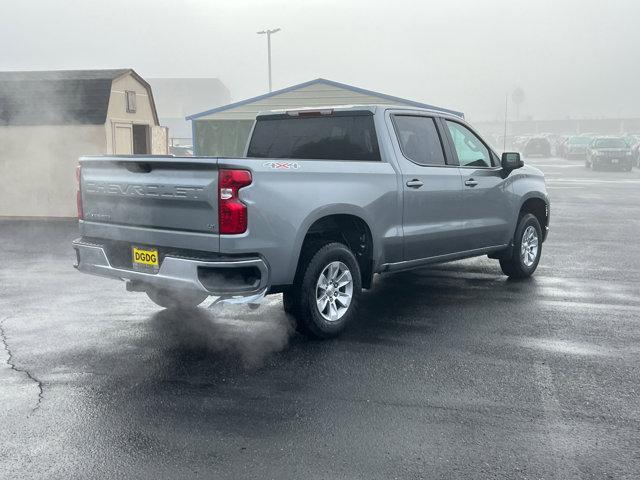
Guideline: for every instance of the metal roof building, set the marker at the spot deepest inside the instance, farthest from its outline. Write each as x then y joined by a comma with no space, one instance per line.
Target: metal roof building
224,131
177,97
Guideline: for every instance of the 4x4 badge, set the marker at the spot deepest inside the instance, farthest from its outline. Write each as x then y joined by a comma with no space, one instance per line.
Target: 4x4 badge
282,165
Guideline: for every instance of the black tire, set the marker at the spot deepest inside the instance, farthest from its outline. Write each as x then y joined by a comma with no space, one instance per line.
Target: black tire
288,302
171,299
514,267
587,164
302,296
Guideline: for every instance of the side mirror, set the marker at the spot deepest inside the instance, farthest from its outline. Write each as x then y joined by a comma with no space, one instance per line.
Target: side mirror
511,161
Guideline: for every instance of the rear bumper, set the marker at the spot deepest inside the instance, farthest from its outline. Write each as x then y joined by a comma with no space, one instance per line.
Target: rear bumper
225,277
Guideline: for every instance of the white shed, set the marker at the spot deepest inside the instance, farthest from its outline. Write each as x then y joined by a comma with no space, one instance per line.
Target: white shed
224,131
48,119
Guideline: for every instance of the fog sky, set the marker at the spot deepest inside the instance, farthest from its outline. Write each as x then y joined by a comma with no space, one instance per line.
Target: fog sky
572,57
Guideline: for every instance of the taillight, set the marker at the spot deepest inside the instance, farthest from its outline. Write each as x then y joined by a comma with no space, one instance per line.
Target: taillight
79,192
232,213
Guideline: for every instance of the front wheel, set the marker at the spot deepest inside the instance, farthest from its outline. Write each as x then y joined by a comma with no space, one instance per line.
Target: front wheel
326,292
172,299
527,248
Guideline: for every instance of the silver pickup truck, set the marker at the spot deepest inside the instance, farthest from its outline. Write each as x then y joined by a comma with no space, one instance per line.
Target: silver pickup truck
322,200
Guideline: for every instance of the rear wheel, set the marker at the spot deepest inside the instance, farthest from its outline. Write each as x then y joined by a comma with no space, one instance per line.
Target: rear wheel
527,248
173,299
288,302
326,292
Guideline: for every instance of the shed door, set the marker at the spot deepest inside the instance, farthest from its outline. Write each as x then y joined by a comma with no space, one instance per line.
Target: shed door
122,139
141,139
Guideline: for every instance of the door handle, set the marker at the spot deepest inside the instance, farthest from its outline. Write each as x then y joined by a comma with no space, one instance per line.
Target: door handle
471,183
415,183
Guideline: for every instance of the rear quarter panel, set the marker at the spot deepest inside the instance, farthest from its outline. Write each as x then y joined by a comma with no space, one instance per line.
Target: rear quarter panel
284,202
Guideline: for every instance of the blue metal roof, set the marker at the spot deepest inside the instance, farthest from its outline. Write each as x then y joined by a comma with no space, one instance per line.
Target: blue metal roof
391,98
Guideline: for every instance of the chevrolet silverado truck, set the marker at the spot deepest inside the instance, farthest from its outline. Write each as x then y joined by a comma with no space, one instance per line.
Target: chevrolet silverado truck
322,200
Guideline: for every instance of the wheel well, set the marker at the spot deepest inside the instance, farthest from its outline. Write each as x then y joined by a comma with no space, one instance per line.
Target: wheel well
350,230
538,208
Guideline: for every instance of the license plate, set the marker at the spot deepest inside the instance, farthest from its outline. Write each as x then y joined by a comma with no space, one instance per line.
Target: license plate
145,258
614,160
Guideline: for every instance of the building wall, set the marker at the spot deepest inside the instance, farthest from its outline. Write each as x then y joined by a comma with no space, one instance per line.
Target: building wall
226,133
37,167
159,140
117,111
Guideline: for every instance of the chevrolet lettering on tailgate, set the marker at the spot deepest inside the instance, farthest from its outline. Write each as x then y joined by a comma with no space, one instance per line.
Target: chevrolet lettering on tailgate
128,189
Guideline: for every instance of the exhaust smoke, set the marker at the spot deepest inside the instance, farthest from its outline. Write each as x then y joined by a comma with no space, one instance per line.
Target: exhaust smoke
253,334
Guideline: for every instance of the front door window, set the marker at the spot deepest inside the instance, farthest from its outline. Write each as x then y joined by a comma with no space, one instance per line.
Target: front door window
470,150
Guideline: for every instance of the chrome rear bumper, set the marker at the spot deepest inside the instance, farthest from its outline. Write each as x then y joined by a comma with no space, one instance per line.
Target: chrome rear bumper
221,277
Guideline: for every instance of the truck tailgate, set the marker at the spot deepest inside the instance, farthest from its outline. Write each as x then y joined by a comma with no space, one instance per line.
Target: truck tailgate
164,193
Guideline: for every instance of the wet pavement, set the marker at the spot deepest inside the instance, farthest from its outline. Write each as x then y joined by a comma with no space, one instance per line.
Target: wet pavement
450,372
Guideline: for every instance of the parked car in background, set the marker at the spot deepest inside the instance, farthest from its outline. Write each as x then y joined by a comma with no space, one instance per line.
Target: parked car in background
635,154
576,147
554,140
537,146
561,146
520,141
612,152
632,139
502,143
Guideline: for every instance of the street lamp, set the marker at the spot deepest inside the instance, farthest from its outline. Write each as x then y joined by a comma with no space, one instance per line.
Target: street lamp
268,33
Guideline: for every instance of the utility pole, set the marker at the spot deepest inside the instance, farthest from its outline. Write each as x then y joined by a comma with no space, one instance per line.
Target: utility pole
504,138
268,33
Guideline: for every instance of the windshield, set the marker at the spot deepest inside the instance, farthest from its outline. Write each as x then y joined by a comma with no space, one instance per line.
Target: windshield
610,143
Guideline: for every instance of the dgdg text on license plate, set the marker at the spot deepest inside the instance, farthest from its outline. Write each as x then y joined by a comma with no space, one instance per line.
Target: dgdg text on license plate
145,257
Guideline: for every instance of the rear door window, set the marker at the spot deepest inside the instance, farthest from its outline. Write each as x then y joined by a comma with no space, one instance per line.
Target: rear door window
325,137
419,139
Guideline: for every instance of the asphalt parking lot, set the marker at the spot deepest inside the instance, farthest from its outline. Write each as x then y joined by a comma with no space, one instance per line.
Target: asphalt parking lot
451,372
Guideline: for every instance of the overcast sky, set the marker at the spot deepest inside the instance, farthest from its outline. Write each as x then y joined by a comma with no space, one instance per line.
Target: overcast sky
571,57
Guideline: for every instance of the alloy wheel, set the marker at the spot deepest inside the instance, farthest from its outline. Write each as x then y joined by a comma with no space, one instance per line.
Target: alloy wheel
529,246
334,291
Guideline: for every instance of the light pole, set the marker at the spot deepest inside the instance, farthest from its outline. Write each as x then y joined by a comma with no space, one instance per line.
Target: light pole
268,33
